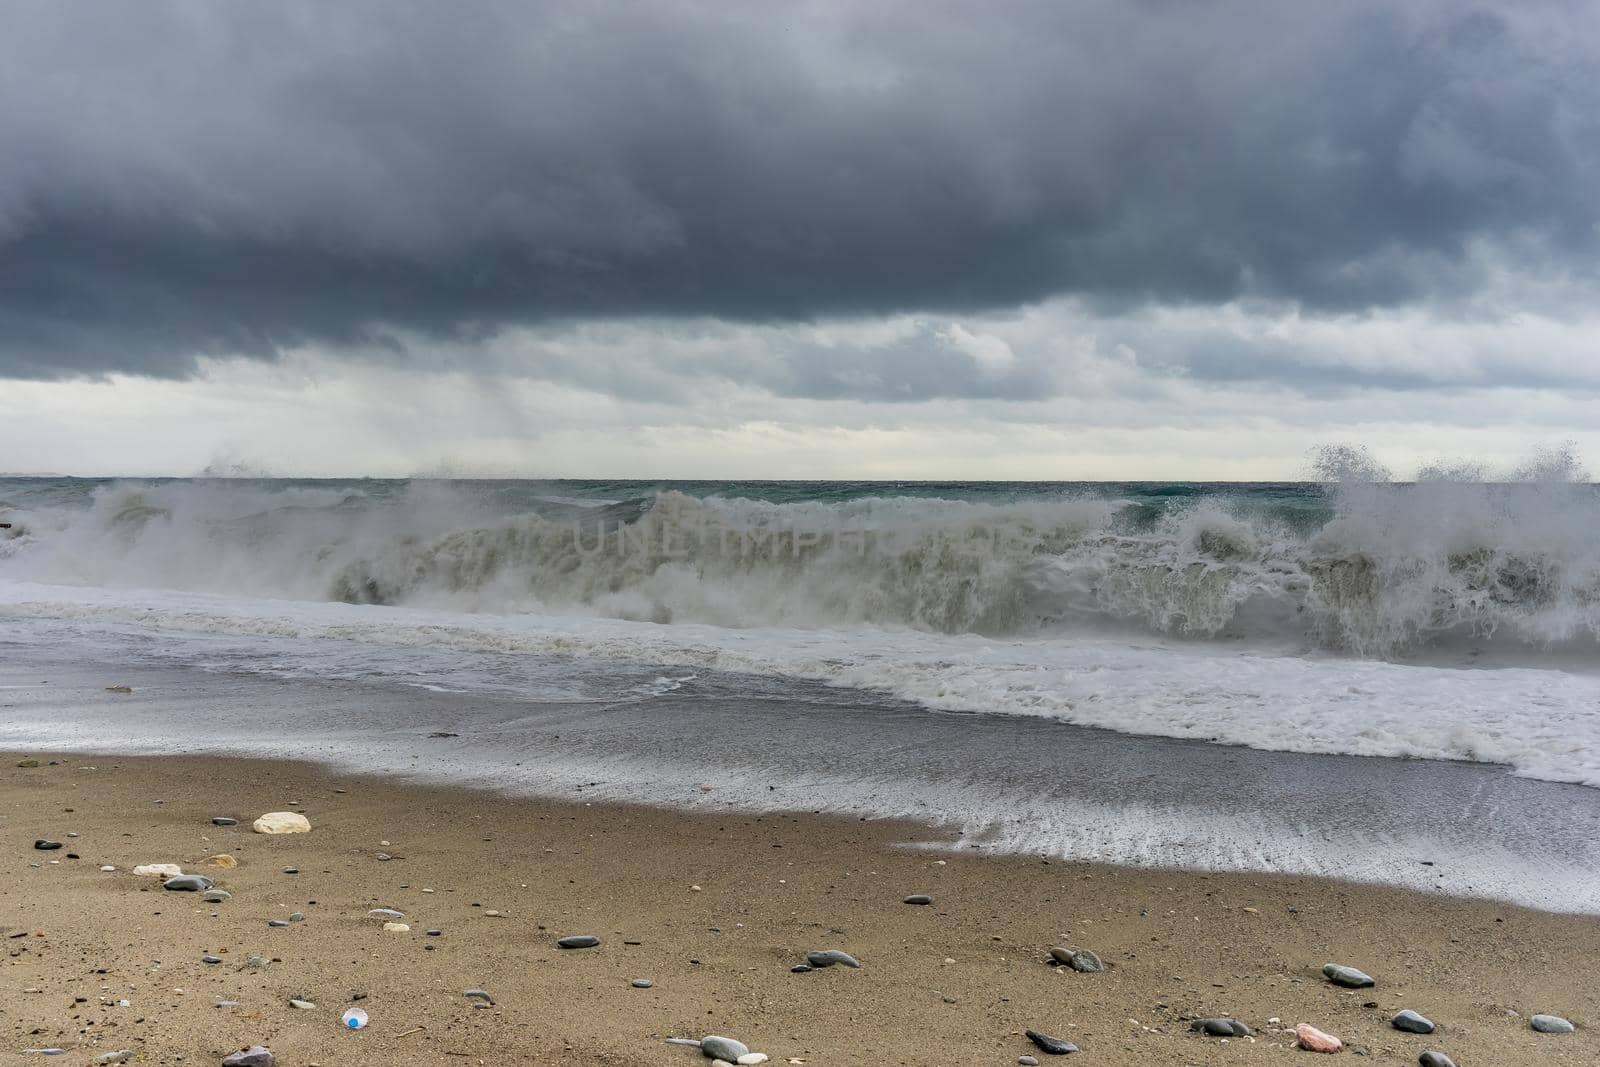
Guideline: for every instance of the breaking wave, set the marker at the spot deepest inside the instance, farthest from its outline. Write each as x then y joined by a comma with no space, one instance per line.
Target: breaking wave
1357,562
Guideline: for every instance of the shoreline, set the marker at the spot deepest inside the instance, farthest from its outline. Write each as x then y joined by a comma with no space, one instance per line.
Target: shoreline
1176,944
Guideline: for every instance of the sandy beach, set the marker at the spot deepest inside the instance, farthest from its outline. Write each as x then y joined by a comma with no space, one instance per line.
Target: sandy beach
714,910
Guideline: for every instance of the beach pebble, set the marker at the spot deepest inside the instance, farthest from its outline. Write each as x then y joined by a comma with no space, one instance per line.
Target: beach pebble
223,820
801,968
281,822
120,1056
1028,1061
208,958
303,1005
297,917
578,941
278,923
44,845
27,763
478,994
435,933
397,928
254,1056
1221,1027
1347,976
641,983
216,896
222,861
162,870
1551,1024
723,1048
1435,1059
1079,959
829,957
918,898
385,913
107,869
1412,1023
1052,1045
187,883
1313,1040
750,1059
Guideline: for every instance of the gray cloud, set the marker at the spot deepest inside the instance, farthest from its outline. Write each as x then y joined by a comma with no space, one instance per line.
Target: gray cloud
183,179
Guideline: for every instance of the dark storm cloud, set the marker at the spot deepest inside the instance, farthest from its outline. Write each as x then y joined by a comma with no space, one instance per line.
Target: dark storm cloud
180,179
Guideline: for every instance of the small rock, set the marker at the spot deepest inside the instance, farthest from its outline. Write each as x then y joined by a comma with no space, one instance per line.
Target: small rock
1412,1023
1347,976
1313,1040
303,1005
281,822
120,1056
46,846
188,883
750,1059
1435,1059
1221,1027
801,968
208,958
217,896
578,941
722,1048
397,928
385,913
107,869
1053,1045
1079,959
119,688
27,763
641,983
1550,1024
478,994
435,933
278,923
254,1056
162,870
829,957
1028,1061
222,861
223,820
918,898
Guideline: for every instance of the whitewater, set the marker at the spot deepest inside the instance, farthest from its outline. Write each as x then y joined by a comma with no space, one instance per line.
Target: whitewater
1445,618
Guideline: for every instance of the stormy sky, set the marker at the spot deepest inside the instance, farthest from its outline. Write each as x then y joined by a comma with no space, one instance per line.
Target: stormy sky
1086,239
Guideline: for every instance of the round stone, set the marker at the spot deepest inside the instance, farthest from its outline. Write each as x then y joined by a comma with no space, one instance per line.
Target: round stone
1412,1023
578,941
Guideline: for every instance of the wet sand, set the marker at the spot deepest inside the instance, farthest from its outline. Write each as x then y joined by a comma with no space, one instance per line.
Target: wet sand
952,983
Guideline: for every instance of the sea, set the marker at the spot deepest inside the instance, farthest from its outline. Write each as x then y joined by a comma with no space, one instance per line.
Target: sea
1393,682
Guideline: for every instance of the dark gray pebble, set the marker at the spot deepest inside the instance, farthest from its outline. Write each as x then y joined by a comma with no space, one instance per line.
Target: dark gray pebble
1412,1023
208,958
1053,1045
188,883
45,846
829,957
277,922
801,968
578,941
1221,1027
1435,1059
1348,977
435,933
223,820
918,898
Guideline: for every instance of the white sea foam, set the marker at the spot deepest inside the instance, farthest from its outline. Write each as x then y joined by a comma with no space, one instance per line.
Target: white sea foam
1541,722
